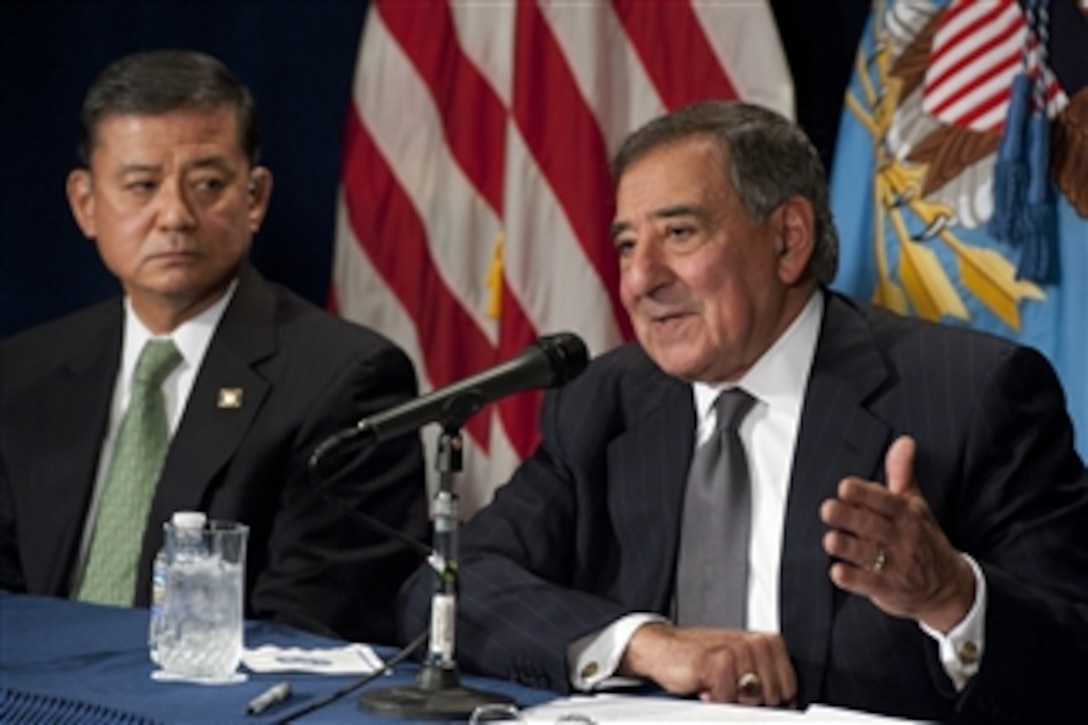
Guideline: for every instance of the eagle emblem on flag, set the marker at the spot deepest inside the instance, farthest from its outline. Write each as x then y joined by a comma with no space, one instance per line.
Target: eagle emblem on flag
941,89
959,183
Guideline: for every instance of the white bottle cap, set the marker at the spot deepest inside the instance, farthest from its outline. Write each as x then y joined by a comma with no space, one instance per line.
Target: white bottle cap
189,519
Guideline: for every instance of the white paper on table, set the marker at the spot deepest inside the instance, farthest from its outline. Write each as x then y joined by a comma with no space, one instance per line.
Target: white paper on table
614,708
352,659
829,714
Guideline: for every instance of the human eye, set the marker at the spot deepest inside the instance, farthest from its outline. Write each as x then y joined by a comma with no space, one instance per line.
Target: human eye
209,184
140,186
623,237
623,245
680,231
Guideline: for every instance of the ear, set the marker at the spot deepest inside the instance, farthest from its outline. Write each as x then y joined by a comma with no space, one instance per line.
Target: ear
796,232
80,190
258,191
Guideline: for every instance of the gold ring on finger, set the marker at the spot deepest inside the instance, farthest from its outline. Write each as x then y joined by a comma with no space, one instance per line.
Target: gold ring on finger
749,686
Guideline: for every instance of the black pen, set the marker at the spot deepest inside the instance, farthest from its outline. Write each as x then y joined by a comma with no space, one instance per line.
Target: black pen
277,693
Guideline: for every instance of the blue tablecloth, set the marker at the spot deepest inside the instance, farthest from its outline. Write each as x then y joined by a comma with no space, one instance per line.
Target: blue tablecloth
68,662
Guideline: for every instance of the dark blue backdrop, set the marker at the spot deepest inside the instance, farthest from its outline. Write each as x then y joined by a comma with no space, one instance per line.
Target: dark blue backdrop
298,57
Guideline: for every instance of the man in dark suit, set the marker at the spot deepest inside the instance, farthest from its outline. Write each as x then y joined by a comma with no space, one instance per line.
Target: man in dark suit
171,194
918,516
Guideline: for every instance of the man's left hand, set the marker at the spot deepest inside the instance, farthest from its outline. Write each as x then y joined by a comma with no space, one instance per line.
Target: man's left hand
889,547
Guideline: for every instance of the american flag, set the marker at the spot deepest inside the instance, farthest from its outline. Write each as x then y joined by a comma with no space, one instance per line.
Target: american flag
977,51
475,200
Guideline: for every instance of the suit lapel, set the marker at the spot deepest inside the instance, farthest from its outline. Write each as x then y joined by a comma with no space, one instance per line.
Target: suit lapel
64,435
838,437
214,423
650,463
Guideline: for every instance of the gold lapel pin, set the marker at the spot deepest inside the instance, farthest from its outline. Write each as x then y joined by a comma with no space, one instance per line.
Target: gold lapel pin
229,398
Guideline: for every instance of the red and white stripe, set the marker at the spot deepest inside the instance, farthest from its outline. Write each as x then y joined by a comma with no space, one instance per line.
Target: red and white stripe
977,52
472,123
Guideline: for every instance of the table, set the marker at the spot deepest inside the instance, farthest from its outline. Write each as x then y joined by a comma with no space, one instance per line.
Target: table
68,663
63,662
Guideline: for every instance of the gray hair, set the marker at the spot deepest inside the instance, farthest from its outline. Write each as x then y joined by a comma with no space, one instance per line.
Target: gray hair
768,160
160,81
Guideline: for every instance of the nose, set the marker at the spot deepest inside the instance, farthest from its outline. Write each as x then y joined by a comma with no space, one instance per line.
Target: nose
644,270
175,211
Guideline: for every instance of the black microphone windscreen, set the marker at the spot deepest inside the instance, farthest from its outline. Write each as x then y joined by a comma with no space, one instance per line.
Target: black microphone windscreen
567,355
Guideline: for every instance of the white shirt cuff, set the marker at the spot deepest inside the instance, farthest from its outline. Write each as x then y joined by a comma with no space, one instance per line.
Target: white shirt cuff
594,658
961,649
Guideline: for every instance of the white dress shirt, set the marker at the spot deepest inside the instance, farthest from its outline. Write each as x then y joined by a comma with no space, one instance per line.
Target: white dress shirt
777,381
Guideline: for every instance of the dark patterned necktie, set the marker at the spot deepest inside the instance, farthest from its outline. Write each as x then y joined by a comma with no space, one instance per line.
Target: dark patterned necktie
712,569
138,455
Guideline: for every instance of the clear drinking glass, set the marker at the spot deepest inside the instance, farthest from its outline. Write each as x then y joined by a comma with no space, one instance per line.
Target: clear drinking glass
200,637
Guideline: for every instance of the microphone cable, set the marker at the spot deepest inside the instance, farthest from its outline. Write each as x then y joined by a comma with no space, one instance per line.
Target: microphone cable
346,690
374,523
316,480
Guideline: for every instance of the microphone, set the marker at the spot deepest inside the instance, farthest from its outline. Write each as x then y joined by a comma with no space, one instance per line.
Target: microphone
437,692
550,361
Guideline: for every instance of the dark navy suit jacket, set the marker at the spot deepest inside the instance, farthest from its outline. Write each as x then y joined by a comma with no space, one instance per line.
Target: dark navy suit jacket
304,376
587,529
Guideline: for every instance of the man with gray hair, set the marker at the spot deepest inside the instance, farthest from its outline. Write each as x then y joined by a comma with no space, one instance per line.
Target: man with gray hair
778,495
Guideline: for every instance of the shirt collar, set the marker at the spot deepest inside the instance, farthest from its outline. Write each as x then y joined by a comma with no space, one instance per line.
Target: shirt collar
191,337
779,377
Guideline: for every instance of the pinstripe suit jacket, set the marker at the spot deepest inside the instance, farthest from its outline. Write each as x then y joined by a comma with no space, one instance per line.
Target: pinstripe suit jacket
304,375
587,529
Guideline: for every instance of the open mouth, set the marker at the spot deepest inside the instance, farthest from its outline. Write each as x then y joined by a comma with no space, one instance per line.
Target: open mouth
670,316
670,323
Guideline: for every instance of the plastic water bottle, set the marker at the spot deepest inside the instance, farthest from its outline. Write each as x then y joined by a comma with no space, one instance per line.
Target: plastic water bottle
186,524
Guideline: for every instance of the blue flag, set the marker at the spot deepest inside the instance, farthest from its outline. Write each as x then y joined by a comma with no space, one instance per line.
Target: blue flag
943,212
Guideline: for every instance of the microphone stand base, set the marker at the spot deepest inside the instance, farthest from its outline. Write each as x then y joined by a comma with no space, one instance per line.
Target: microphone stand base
437,695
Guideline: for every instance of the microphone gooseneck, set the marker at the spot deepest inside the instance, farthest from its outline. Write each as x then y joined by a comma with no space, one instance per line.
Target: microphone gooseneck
550,361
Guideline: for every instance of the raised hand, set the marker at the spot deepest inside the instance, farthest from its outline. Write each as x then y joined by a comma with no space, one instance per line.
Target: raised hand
889,547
